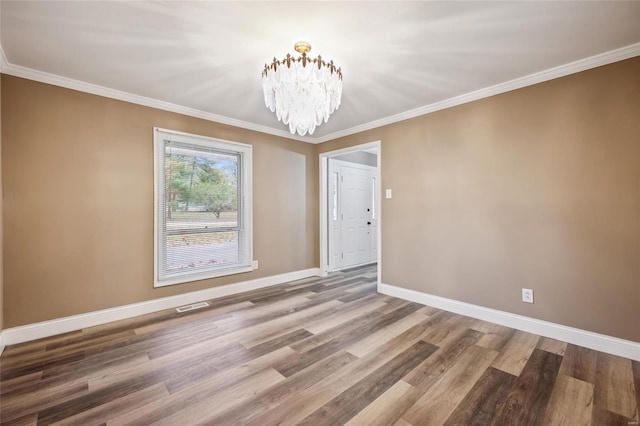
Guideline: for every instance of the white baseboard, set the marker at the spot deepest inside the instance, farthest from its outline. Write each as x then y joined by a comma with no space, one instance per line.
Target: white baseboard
25,333
576,336
1,343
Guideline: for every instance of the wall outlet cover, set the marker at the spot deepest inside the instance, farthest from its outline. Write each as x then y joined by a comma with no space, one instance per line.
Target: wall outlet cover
527,295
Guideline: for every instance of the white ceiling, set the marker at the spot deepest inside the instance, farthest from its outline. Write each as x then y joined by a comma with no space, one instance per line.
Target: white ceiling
395,56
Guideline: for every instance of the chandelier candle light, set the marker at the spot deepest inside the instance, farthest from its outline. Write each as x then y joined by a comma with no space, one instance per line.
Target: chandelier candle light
303,92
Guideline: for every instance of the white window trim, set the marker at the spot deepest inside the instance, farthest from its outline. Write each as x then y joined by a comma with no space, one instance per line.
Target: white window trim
247,202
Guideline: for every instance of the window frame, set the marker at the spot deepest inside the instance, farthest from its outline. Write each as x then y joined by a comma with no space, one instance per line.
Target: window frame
245,205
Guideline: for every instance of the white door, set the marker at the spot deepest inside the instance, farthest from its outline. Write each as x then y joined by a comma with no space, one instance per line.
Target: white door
355,196
352,217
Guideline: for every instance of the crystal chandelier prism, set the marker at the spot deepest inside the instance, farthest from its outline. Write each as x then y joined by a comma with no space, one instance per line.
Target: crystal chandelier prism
303,92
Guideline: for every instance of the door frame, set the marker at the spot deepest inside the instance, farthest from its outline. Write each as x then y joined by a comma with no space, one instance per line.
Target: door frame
324,204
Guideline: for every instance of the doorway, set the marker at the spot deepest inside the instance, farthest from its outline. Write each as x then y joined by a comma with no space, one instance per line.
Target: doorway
350,208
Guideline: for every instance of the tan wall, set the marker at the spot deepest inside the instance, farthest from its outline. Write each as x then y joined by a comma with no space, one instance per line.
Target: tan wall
78,209
537,188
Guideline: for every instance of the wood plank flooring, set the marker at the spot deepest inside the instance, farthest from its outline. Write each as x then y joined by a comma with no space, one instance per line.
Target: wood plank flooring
319,351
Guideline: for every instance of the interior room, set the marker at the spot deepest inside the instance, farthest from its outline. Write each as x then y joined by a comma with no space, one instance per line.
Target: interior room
363,213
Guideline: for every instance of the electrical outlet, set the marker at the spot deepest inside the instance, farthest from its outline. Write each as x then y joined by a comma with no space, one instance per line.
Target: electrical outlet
527,295
255,264
388,193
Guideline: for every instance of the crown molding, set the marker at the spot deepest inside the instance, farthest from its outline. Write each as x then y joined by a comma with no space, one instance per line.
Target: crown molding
4,64
69,83
616,55
518,83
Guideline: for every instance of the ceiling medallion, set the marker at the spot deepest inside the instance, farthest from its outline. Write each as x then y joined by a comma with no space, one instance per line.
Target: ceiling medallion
303,92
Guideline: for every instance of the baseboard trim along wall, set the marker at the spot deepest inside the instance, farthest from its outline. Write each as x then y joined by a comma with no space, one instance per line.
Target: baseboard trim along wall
1,343
576,336
25,333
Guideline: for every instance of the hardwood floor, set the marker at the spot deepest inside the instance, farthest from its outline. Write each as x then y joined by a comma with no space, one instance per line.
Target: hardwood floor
316,352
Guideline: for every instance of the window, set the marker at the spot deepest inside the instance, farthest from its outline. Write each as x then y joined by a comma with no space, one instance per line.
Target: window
334,196
373,198
202,208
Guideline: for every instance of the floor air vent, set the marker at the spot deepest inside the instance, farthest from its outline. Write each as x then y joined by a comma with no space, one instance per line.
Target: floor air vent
192,307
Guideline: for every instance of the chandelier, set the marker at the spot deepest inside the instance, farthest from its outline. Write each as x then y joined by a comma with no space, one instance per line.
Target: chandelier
303,92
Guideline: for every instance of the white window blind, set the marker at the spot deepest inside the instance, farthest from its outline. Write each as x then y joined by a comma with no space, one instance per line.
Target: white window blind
202,207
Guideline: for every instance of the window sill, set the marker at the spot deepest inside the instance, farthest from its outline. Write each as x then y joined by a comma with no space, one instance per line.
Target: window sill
187,278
